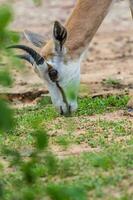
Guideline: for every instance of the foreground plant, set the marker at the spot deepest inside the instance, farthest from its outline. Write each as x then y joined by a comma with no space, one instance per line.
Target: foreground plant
25,185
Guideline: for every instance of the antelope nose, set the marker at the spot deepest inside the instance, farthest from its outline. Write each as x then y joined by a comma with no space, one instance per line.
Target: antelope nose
66,112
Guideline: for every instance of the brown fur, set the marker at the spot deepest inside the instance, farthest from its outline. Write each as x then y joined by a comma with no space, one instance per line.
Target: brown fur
84,22
81,26
47,52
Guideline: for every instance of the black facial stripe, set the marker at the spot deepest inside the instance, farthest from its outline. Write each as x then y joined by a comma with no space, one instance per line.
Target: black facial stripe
64,97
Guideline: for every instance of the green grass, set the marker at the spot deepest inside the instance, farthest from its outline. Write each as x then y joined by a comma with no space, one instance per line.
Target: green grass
89,106
112,83
104,171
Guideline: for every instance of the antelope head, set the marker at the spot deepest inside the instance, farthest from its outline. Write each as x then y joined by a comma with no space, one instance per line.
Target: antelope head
55,66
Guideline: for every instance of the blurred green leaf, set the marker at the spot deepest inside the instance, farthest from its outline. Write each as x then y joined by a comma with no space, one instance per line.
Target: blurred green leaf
5,16
1,190
37,2
28,172
5,78
15,155
6,116
51,163
29,194
8,37
59,192
14,36
41,139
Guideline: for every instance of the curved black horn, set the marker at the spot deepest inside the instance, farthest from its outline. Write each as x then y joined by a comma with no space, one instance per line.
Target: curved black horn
37,58
26,57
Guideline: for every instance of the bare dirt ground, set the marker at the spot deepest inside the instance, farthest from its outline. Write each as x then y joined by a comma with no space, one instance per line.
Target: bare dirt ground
110,55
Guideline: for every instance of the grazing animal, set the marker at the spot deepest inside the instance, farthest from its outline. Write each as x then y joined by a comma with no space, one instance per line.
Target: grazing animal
58,62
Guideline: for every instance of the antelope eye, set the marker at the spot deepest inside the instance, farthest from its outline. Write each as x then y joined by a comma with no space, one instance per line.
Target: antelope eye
53,74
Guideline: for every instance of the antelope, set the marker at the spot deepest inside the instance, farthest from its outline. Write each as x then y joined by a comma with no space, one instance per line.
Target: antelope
58,62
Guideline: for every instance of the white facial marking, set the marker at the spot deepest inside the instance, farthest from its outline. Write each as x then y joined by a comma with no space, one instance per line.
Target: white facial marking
68,80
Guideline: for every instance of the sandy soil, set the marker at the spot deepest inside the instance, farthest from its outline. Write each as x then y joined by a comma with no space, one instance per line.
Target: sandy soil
80,126
110,54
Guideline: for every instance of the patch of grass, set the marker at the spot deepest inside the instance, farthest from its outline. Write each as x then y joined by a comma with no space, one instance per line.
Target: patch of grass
44,115
63,140
102,133
90,106
30,117
104,172
44,101
27,118
116,83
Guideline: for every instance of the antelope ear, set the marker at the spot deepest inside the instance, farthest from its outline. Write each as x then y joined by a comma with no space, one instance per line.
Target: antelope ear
59,35
34,38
